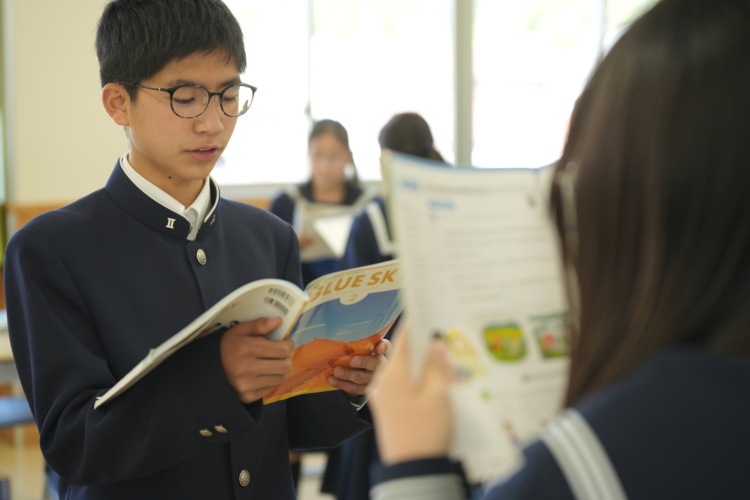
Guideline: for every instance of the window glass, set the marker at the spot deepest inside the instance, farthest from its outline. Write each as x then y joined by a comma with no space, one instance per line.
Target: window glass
269,143
361,62
620,14
371,59
531,59
365,61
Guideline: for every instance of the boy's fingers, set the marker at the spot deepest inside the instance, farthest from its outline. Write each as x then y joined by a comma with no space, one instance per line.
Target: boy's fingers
384,347
260,326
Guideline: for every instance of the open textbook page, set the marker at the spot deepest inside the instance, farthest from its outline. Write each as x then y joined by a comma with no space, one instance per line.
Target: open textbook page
481,269
337,316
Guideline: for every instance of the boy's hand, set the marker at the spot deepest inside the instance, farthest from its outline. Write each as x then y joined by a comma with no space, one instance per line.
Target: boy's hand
355,379
253,364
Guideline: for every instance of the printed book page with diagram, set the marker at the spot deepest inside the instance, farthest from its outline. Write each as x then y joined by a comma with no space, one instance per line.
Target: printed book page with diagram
481,270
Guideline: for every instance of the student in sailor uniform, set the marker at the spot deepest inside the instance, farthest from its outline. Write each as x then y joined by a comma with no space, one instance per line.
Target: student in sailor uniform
370,240
93,286
332,190
650,201
347,474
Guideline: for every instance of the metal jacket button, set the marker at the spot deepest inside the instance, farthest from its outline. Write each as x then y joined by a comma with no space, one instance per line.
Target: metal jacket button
244,477
201,256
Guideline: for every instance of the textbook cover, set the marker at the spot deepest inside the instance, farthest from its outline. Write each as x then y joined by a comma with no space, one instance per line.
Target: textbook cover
340,315
348,313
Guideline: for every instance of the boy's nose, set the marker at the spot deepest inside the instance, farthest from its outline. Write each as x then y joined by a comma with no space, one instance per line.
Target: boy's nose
212,119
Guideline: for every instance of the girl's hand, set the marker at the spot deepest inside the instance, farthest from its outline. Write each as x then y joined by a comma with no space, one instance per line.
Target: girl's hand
412,420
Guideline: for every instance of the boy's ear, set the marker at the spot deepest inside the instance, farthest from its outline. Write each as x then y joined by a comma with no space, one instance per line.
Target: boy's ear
116,101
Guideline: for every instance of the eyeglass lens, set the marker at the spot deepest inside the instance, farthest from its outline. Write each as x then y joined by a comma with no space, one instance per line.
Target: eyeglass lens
190,101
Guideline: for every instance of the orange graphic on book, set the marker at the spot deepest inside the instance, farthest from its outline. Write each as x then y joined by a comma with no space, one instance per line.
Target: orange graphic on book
314,361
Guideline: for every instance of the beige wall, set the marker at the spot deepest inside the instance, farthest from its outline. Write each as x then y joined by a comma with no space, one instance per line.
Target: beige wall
60,143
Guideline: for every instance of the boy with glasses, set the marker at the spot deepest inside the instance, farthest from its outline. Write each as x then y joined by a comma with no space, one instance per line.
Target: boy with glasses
93,286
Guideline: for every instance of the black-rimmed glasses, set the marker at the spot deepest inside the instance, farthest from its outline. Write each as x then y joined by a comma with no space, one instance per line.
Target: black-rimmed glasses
190,101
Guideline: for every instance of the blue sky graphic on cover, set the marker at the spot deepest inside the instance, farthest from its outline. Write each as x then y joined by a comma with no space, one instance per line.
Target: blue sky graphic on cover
347,322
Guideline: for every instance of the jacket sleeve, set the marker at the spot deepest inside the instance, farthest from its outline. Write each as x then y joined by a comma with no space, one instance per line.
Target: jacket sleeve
539,478
324,420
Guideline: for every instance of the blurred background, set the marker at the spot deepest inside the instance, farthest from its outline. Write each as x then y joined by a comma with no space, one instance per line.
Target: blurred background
495,79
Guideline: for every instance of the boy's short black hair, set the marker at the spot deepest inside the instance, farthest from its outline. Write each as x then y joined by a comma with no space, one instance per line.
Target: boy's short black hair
135,39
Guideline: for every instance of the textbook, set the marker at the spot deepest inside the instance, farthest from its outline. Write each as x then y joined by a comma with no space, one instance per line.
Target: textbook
482,271
337,316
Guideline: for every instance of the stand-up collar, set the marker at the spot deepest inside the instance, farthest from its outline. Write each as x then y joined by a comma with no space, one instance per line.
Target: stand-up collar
150,212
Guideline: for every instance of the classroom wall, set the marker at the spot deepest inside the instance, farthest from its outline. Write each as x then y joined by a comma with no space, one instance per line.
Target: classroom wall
60,143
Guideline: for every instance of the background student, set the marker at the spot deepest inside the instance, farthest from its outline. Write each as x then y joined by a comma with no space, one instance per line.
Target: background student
657,232
370,240
333,189
91,287
347,472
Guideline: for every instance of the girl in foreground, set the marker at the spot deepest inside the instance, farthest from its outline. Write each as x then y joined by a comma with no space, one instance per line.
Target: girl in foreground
656,231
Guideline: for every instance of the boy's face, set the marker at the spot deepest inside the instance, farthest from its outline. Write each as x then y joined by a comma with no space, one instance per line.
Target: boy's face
174,153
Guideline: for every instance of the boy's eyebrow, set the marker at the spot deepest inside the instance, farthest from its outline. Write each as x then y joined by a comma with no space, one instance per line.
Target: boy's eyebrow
182,81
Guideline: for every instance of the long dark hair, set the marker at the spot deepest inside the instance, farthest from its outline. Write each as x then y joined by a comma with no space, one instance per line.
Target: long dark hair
409,133
658,142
